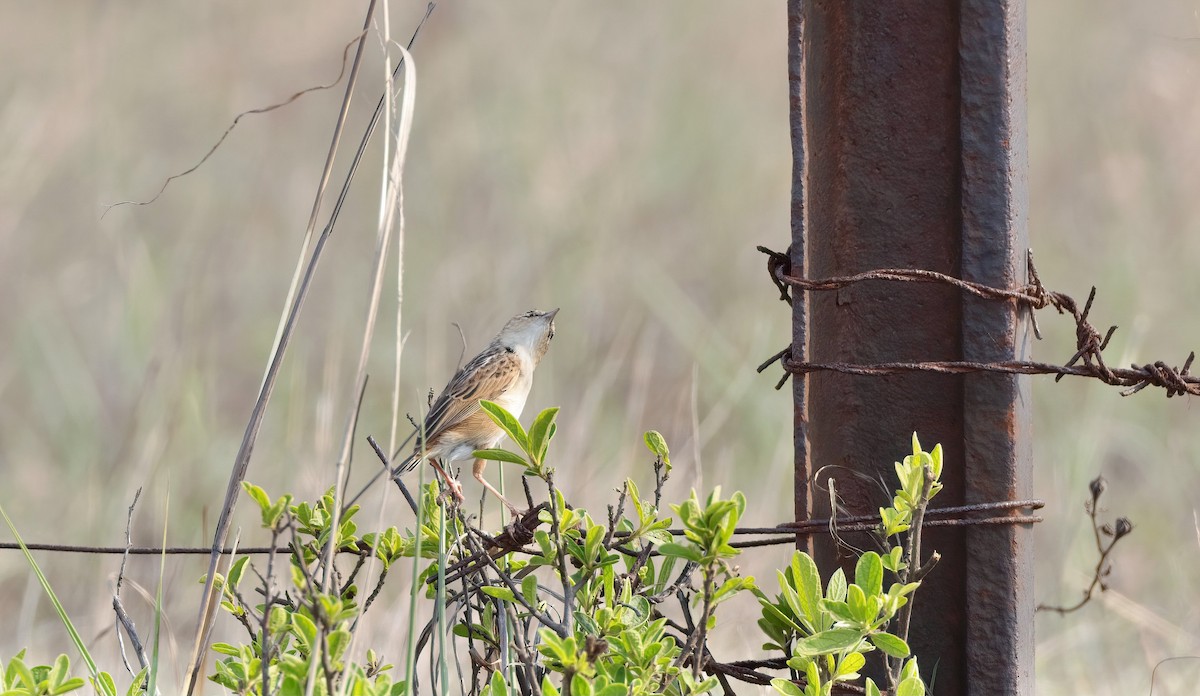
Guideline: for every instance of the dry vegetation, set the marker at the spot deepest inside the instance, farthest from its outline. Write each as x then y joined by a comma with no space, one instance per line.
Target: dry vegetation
619,159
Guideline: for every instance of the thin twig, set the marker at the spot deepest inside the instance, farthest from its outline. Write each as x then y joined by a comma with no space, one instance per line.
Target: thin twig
122,617
1100,530
236,119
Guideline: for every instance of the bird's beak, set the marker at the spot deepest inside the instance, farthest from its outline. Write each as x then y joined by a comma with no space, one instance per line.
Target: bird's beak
552,312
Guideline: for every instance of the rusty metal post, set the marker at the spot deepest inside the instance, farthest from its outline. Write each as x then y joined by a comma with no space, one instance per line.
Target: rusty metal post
909,139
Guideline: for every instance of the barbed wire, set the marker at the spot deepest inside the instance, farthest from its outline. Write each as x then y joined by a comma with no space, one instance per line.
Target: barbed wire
520,533
1088,360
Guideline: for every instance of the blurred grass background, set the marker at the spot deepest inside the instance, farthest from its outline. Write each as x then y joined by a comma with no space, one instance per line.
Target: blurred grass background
618,159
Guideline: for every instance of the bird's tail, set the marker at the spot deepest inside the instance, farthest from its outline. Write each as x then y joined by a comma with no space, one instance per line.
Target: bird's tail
408,464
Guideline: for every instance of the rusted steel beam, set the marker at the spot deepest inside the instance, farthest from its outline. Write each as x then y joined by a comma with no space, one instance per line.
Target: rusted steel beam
908,132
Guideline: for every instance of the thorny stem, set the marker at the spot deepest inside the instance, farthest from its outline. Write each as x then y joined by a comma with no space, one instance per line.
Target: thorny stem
362,558
375,592
614,515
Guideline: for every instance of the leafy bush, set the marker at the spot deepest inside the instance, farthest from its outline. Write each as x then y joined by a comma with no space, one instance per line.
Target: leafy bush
558,602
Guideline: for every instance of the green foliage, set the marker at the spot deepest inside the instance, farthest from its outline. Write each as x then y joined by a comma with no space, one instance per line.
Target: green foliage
575,602
657,445
20,679
911,473
613,573
827,631
306,632
533,443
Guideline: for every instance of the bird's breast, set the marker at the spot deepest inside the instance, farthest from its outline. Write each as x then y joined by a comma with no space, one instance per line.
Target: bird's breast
513,398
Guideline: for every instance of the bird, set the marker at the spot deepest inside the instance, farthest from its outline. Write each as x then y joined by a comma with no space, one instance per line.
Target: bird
456,426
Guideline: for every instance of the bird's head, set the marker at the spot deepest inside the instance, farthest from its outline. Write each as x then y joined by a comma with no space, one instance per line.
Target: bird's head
530,330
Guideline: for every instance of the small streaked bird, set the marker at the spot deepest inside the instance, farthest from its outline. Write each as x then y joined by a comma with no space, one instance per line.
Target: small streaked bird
456,425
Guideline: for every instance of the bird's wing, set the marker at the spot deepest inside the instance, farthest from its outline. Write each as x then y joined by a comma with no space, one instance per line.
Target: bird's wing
487,376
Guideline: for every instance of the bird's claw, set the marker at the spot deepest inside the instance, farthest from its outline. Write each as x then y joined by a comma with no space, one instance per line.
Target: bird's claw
456,490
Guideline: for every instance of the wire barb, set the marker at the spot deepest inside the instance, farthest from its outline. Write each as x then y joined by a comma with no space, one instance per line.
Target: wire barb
1088,360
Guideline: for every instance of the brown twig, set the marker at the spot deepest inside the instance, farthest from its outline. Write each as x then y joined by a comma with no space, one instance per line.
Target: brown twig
236,119
118,607
1101,530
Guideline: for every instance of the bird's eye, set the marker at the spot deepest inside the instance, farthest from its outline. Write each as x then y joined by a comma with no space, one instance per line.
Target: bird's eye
551,333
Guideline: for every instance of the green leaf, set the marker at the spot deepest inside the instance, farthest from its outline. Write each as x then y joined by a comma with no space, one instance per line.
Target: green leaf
680,551
17,669
592,542
828,642
860,608
848,668
498,687
872,689
912,686
500,593
104,684
657,445
786,687
529,588
772,614
500,455
58,673
893,561
813,675
580,686
868,574
76,683
338,641
540,433
808,586
235,572
507,422
226,649
305,630
890,644
836,590
260,496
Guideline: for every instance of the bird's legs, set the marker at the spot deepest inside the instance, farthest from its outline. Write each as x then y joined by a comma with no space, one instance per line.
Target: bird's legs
478,473
454,486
